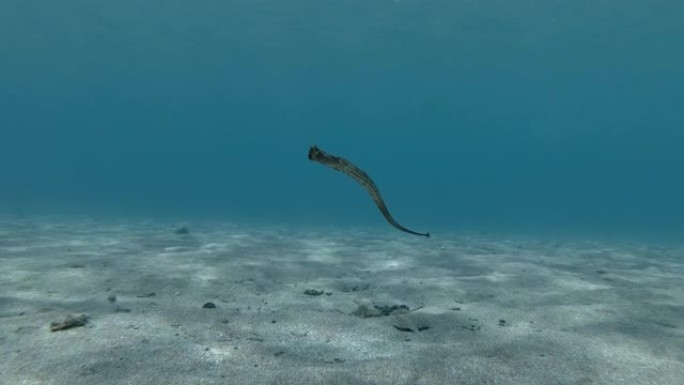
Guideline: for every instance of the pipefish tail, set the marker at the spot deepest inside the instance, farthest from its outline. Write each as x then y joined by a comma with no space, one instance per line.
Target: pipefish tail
347,167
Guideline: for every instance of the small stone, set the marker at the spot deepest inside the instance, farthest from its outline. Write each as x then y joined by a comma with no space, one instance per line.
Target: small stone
183,230
69,322
111,298
209,305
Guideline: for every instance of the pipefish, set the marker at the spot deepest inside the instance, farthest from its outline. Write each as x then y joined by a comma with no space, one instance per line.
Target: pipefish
340,164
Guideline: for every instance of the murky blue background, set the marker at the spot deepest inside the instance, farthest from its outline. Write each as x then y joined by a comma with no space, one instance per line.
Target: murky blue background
468,114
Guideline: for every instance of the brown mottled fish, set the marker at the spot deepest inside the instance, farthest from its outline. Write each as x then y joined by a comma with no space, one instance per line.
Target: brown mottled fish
341,164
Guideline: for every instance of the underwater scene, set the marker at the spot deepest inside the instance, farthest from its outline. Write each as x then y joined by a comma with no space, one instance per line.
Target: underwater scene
376,192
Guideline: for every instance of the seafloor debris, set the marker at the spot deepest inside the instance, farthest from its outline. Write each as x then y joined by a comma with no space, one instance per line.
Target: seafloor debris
410,329
407,323
403,328
69,322
182,230
348,289
316,292
474,326
402,320
364,311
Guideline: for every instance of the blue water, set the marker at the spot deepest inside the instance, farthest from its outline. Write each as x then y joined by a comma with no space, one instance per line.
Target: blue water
468,114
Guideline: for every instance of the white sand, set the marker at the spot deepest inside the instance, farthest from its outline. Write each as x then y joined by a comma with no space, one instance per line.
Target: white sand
575,312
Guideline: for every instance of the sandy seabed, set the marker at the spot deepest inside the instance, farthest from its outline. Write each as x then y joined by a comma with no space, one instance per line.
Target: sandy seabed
226,304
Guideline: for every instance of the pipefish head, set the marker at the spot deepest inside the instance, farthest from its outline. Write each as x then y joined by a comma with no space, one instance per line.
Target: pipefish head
315,153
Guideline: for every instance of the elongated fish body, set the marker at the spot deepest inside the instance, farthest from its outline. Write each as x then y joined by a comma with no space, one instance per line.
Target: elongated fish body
347,167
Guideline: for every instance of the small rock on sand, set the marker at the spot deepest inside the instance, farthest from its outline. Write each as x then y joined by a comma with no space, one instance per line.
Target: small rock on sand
69,322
